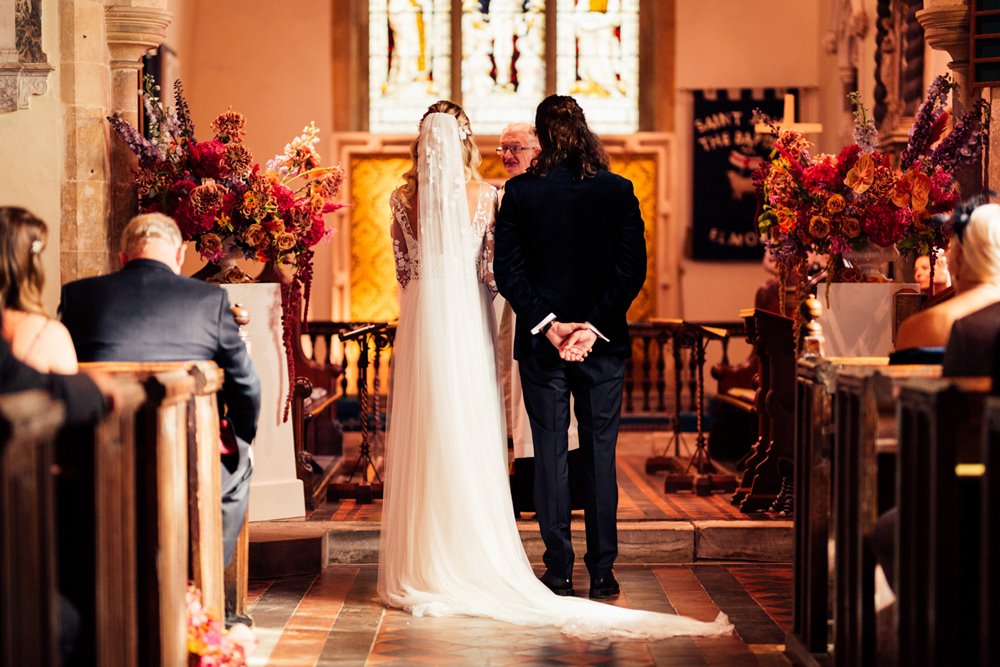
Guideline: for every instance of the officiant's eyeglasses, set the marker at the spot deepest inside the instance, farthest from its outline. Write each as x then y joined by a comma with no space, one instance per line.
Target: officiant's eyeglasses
513,149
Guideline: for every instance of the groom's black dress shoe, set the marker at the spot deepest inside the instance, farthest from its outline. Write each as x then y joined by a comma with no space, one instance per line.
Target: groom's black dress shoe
602,588
557,585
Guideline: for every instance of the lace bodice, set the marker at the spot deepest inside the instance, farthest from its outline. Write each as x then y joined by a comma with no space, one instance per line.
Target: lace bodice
406,245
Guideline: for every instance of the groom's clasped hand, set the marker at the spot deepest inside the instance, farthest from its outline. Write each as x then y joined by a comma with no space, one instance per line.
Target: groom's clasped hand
574,340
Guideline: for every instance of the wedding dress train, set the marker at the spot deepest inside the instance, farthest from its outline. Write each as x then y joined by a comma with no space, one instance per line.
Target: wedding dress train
449,543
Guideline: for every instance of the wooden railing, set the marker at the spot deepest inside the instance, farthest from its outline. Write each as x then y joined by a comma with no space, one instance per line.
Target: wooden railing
662,376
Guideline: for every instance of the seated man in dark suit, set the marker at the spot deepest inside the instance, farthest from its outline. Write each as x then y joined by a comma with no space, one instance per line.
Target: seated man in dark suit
148,312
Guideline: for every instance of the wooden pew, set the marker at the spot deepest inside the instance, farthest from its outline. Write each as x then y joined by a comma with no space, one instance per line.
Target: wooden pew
28,587
809,638
937,535
179,478
773,338
203,474
864,465
161,468
990,545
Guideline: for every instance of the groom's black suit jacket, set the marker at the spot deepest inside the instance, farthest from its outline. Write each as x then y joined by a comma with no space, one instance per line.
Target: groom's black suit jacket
571,247
146,312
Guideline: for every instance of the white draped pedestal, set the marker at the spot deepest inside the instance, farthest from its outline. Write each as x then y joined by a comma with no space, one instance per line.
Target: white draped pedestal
858,321
275,492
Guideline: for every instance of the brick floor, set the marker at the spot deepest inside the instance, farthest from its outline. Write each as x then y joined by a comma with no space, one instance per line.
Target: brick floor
335,618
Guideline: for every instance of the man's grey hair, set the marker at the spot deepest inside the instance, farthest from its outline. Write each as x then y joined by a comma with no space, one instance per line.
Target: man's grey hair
143,228
527,128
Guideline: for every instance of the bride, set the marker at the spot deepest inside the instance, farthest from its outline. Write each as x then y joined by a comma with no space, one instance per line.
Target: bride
449,543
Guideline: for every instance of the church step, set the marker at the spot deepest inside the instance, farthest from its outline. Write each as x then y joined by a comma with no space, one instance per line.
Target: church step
639,542
286,548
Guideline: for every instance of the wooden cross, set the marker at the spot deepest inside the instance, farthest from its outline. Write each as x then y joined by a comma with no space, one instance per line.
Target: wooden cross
788,121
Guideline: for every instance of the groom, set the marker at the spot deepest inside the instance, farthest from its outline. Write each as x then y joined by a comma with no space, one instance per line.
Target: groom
570,258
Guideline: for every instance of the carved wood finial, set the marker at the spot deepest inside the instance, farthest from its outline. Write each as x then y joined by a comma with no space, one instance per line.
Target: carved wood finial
242,317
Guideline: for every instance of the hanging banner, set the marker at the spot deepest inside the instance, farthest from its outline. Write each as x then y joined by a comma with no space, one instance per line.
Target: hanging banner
726,152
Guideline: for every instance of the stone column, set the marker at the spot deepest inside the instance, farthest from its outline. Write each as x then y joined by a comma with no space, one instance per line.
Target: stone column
83,89
133,28
946,28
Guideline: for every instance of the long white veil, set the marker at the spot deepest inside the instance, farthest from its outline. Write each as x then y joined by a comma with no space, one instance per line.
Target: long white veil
445,448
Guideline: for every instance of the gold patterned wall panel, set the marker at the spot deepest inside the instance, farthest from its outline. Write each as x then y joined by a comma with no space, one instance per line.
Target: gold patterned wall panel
374,294
492,168
641,170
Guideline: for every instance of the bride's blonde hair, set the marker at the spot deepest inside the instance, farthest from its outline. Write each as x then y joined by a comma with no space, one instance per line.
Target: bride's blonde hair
471,159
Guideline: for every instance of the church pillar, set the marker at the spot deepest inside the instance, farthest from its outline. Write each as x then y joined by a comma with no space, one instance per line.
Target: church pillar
84,93
946,28
132,29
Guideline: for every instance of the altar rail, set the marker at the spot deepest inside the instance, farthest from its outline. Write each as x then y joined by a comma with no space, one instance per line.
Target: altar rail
665,367
662,360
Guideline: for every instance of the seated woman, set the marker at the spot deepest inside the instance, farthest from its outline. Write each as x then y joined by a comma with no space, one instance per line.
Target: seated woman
922,273
36,339
975,257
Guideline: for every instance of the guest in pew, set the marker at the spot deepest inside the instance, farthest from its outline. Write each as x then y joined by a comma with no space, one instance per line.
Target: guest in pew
36,339
976,258
148,312
922,273
972,344
87,398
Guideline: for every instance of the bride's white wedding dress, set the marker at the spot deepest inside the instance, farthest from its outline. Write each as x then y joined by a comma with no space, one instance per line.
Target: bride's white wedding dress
449,543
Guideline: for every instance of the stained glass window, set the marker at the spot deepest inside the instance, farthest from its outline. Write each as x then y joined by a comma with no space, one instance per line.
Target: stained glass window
409,61
503,61
597,60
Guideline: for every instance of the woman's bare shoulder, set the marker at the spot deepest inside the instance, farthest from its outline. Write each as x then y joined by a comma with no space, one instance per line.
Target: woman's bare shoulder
928,328
55,347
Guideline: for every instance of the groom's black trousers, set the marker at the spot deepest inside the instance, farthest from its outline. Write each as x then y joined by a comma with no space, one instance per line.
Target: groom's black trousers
596,384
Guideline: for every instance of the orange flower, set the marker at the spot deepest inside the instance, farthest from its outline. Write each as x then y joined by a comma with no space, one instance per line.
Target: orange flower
862,174
285,241
254,235
786,219
912,190
209,244
850,227
819,227
835,204
250,202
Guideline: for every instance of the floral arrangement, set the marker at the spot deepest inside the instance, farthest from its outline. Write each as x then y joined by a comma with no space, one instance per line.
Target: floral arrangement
208,641
831,204
228,204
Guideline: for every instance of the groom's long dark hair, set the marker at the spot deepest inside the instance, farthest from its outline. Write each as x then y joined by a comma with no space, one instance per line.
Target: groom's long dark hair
566,140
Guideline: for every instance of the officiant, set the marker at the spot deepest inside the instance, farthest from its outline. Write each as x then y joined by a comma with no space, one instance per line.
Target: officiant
518,147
